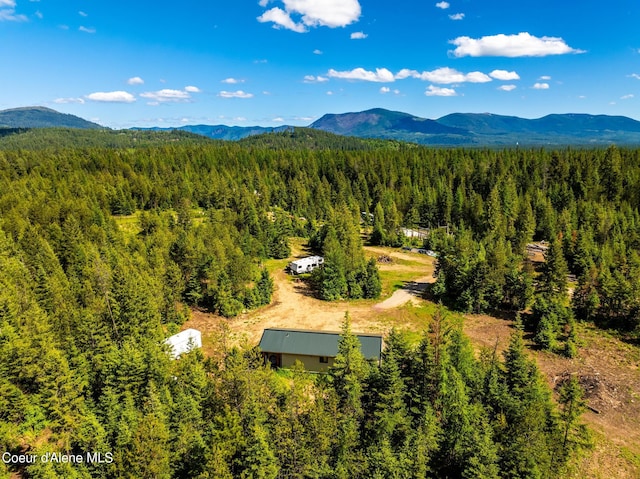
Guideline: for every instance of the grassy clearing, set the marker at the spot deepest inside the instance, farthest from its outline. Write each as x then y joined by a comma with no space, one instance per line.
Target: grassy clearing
129,223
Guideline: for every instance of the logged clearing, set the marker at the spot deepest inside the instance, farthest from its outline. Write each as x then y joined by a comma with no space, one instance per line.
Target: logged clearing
294,305
609,371
608,368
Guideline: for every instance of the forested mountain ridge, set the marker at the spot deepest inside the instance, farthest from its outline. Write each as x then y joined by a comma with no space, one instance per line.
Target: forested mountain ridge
69,138
221,132
485,128
41,117
289,139
464,129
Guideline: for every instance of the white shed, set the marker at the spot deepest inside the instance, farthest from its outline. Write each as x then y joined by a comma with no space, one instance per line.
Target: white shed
184,341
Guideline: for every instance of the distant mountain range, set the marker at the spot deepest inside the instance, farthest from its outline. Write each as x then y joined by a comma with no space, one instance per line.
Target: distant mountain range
484,128
472,129
222,132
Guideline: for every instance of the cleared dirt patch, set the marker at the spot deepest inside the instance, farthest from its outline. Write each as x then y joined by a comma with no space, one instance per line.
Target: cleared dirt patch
608,370
294,305
410,292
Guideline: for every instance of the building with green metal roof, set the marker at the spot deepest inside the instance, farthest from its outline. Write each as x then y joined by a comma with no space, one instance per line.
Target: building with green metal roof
315,349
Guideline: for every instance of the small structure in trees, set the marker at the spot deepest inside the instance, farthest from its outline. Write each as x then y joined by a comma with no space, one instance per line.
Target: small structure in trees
305,265
183,342
420,233
315,349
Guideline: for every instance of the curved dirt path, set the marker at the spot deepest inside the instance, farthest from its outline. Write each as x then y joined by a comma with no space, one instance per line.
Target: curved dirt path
410,293
294,306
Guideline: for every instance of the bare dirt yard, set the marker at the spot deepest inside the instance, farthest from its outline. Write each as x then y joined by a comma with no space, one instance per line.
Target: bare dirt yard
294,305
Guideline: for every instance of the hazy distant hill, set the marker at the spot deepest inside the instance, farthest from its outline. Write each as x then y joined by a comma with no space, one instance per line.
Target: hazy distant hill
41,117
222,132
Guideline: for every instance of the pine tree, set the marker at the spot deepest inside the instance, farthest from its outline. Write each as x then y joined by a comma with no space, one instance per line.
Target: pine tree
572,406
333,282
371,284
348,373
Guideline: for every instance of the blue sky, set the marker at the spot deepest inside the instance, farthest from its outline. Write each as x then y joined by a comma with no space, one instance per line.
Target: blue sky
272,62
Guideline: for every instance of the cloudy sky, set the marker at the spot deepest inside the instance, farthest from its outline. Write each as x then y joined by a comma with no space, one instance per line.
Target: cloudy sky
271,62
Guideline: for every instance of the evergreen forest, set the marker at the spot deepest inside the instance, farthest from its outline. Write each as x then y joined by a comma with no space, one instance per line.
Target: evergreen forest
86,302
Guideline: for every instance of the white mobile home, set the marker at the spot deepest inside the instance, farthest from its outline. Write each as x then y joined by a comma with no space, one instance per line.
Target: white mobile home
184,341
305,265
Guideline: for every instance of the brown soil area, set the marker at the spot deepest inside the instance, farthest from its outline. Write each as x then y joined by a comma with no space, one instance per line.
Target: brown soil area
294,306
608,370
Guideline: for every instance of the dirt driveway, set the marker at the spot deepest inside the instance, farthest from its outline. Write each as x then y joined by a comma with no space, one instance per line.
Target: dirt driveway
294,306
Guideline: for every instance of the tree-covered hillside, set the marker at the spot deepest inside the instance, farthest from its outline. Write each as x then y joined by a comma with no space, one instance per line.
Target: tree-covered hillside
85,305
41,117
56,138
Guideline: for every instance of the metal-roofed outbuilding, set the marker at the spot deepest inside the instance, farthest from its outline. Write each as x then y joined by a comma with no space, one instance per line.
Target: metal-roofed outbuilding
315,349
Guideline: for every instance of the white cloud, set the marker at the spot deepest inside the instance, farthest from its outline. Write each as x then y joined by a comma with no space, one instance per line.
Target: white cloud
280,18
87,29
541,86
439,91
507,87
521,45
443,5
39,14
8,12
635,75
192,89
278,119
504,75
235,94
312,13
83,14
329,93
457,16
444,75
135,81
167,95
314,79
545,78
380,75
385,89
358,36
63,101
111,97
232,81
627,97
477,77
317,52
